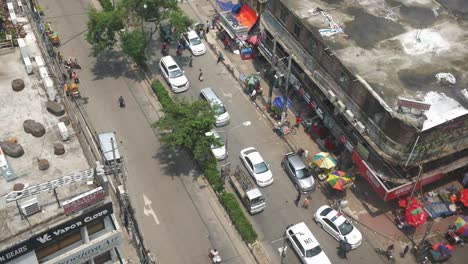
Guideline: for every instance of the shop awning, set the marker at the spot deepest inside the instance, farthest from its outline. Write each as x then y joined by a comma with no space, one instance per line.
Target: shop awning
246,16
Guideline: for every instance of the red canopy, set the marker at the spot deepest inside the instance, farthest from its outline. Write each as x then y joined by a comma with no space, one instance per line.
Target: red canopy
415,215
464,197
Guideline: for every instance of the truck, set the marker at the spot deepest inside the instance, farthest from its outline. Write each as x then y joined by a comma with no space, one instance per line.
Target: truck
248,193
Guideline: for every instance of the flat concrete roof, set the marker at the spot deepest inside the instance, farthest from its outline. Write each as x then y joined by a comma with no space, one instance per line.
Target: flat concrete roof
16,107
398,48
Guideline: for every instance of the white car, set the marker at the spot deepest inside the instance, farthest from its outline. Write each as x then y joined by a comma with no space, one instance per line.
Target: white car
194,43
219,151
337,225
256,166
173,74
306,245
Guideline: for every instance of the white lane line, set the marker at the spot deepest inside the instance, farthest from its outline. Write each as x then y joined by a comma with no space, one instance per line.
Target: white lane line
147,210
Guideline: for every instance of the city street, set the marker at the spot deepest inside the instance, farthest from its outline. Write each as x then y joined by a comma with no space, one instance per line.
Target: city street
172,209
281,211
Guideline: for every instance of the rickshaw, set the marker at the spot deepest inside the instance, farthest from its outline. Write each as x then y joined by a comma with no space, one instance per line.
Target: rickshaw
72,90
53,35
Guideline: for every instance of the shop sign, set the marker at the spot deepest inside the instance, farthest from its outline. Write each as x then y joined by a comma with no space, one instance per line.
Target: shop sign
15,252
95,248
406,188
55,233
265,49
307,97
50,185
83,200
294,82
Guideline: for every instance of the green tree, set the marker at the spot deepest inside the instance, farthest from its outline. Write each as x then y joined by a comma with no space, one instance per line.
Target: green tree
184,126
102,28
180,22
133,45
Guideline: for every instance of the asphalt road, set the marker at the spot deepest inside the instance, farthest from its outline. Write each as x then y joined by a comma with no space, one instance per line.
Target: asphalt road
178,223
281,211
178,231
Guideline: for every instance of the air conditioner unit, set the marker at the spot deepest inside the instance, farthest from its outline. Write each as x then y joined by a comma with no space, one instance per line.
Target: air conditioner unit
30,207
63,131
43,73
360,127
349,116
341,106
331,96
39,61
10,7
13,19
28,65
23,47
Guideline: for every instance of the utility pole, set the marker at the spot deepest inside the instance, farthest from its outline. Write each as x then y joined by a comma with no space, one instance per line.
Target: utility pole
286,97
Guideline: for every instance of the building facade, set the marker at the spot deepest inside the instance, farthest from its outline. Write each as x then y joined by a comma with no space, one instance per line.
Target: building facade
92,237
386,145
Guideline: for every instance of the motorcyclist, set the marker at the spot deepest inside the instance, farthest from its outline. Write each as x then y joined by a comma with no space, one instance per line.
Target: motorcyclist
214,255
121,101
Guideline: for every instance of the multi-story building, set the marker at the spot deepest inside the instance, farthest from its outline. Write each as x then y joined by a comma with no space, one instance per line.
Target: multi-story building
53,207
387,79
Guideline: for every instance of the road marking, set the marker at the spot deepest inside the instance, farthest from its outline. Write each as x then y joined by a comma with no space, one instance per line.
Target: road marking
147,210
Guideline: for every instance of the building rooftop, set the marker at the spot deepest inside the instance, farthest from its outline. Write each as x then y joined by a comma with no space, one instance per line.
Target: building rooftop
398,48
16,107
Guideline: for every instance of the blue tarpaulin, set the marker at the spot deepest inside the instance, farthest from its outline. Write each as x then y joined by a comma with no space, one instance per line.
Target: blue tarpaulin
225,6
279,102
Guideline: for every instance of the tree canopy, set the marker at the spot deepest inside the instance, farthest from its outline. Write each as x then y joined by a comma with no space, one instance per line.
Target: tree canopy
132,15
102,29
184,126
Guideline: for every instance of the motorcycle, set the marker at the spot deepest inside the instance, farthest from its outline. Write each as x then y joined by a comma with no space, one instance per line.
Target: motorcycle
213,254
452,236
72,63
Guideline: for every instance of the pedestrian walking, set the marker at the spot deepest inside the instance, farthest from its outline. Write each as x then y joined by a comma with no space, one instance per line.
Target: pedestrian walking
190,62
220,57
208,25
306,203
298,120
200,76
64,76
298,198
59,57
213,23
403,254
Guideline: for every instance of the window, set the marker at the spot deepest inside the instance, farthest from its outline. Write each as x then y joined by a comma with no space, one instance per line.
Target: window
298,244
95,227
249,162
331,225
64,242
297,30
283,15
344,79
103,258
311,45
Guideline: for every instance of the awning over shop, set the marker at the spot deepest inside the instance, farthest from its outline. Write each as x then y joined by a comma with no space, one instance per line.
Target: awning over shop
224,5
246,16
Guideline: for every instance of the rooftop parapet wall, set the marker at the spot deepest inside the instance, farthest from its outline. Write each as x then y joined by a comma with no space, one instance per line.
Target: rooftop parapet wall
394,133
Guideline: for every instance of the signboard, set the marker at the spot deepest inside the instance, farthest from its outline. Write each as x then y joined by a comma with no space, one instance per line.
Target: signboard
55,233
83,200
95,248
5,168
50,185
266,50
413,104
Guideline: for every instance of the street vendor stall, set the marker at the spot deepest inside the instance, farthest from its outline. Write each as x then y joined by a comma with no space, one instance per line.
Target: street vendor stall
441,202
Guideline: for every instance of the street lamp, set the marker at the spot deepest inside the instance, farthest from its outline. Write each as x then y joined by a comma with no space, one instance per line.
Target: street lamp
283,249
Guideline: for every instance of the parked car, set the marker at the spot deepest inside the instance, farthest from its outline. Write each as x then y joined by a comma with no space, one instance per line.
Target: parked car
299,172
337,225
194,43
221,114
256,166
219,151
306,245
174,76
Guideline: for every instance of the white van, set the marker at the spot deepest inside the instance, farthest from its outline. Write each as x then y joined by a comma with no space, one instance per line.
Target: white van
222,116
174,76
306,246
107,142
